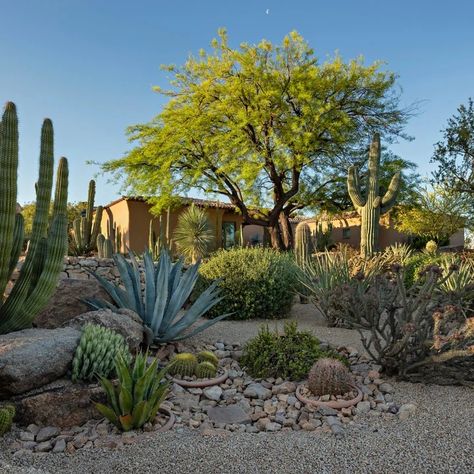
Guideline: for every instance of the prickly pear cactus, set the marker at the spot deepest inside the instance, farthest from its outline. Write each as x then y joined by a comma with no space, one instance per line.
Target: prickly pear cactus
208,356
205,370
371,206
329,377
183,364
96,353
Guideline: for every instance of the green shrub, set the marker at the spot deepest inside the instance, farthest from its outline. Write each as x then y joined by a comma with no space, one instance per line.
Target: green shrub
255,282
416,263
289,355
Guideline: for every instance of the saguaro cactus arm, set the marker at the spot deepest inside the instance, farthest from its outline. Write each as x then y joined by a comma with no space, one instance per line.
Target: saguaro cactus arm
392,192
353,187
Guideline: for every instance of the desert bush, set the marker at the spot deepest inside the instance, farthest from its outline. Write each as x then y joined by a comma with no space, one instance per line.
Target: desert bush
255,282
289,355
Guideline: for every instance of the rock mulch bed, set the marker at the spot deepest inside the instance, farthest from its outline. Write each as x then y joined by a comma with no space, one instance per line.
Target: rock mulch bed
240,404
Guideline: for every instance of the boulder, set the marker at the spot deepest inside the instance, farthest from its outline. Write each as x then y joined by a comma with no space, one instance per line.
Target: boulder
60,403
67,302
32,358
123,321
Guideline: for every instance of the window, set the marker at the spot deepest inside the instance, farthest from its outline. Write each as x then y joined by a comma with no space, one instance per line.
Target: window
228,234
346,233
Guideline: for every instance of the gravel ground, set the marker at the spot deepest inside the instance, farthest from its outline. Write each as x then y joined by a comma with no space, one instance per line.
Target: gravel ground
438,439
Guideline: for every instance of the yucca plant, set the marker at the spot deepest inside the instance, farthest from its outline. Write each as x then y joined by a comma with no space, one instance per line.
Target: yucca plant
397,253
459,286
138,395
194,234
160,305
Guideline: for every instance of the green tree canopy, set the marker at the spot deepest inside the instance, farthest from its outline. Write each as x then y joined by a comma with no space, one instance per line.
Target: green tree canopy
256,125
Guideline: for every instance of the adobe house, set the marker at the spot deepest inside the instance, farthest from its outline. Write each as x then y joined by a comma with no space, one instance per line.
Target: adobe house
131,217
346,229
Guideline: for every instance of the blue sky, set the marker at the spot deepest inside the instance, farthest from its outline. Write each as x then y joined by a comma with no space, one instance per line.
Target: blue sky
90,65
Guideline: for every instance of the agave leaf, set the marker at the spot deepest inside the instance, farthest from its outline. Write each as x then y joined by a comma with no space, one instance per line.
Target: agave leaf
197,330
150,287
139,367
111,394
125,269
139,414
110,288
106,411
123,372
127,422
134,273
144,382
162,293
125,401
157,400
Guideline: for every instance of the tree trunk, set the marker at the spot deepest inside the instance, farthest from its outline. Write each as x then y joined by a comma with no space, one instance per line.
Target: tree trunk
281,233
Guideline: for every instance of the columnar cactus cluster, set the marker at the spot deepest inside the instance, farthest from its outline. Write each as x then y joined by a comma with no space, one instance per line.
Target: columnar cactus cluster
48,244
86,228
7,413
372,205
95,355
329,377
156,243
104,247
303,244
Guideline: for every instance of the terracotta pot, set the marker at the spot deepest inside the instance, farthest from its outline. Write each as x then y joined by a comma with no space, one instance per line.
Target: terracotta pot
202,383
171,419
336,404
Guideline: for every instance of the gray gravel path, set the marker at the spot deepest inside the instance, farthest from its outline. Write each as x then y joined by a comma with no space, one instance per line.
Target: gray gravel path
438,439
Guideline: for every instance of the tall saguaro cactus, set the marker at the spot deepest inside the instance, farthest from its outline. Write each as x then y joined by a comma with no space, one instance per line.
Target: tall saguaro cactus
48,244
303,244
87,228
372,205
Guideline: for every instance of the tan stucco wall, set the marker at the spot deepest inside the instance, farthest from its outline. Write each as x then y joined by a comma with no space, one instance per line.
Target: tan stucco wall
117,214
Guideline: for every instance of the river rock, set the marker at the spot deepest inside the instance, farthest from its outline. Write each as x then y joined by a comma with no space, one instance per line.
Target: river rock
32,358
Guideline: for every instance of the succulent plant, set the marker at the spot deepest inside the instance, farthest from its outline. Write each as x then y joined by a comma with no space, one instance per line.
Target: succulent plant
86,228
205,370
303,244
208,356
329,377
371,206
95,355
137,397
431,247
104,247
43,263
183,364
7,413
167,289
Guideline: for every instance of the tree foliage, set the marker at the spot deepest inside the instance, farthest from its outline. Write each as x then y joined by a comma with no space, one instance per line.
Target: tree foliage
258,125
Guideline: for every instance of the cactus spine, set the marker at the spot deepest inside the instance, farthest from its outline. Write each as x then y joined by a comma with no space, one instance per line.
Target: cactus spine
183,364
329,377
7,413
86,229
205,370
303,244
208,356
372,206
48,244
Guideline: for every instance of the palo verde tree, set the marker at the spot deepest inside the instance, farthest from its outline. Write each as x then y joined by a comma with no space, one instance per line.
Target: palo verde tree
255,124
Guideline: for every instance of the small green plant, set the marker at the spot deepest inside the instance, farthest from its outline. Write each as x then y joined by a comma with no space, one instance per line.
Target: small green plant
96,353
289,355
329,377
194,234
208,356
255,282
7,413
205,370
431,247
138,395
183,364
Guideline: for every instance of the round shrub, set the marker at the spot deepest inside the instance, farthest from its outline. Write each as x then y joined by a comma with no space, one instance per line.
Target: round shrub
255,282
289,355
416,263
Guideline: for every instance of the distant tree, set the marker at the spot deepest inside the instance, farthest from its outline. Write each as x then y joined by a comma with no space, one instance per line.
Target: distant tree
439,214
454,154
256,125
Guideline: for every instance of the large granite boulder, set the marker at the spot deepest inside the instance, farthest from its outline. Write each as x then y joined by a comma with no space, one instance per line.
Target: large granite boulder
34,357
61,403
67,302
123,321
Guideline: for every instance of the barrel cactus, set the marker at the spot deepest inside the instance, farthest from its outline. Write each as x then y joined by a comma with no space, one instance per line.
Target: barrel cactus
205,370
49,240
96,353
329,377
431,247
303,244
208,356
7,413
87,228
183,364
372,205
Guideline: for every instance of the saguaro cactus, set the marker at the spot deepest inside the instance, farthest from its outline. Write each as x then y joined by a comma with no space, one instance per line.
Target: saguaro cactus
86,229
372,206
48,244
303,244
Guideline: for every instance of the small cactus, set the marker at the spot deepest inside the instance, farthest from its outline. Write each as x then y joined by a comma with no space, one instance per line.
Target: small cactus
205,370
208,356
183,364
431,247
329,377
96,353
7,413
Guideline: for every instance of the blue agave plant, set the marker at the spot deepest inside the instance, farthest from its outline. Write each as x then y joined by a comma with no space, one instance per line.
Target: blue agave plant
160,305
